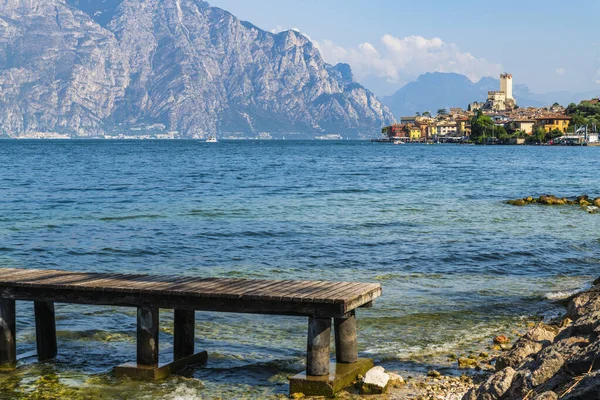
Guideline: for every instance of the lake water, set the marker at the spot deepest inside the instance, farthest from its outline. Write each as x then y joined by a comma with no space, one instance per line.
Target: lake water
457,265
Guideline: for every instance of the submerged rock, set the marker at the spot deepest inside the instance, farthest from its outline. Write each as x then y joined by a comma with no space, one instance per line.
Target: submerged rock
551,200
465,362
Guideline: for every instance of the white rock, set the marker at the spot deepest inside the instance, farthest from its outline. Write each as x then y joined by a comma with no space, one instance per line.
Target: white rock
375,381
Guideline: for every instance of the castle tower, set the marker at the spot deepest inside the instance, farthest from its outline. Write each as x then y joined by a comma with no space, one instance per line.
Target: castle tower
506,85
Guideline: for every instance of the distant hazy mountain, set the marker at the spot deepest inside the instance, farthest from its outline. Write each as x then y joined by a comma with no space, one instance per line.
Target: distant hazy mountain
432,91
84,66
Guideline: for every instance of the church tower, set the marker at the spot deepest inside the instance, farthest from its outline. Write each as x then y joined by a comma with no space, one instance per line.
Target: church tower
506,85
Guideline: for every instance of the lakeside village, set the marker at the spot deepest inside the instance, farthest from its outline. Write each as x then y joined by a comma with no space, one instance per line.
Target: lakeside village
499,120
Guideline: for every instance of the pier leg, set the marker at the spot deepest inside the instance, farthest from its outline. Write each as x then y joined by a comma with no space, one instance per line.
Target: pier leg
45,330
346,348
8,343
321,378
183,344
147,335
319,338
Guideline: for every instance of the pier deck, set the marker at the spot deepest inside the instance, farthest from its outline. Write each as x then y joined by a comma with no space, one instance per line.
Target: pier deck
320,301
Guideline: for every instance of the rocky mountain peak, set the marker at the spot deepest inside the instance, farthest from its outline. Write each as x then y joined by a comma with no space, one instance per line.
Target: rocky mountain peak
87,66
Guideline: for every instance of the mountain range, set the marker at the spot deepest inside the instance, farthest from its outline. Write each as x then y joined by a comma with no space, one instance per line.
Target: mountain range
436,90
84,67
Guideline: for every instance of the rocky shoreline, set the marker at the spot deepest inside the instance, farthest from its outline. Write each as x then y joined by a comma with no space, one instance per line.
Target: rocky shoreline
555,360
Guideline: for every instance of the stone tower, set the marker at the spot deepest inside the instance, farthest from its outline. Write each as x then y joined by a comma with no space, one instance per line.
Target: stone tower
506,85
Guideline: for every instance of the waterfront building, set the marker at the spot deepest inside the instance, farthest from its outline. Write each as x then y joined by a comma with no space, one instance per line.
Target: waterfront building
524,125
446,128
414,133
554,122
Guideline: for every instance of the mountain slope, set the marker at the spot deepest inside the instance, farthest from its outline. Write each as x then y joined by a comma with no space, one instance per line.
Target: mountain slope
115,64
58,72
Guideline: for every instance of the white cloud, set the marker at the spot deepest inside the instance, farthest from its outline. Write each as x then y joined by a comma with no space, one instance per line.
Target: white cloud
400,60
278,29
560,71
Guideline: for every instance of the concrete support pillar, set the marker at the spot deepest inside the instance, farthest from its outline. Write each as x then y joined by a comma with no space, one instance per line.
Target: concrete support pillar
147,336
8,342
319,341
45,330
183,342
346,347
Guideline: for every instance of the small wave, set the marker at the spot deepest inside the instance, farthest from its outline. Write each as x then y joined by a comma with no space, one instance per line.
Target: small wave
128,217
561,295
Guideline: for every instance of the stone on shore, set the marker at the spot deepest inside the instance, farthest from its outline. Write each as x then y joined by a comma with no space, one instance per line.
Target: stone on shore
494,388
376,381
396,380
501,339
531,343
546,396
551,362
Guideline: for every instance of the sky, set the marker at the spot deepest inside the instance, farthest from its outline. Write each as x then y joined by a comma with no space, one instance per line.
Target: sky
548,45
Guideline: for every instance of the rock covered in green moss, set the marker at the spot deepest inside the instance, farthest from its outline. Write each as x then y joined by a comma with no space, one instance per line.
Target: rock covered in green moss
592,206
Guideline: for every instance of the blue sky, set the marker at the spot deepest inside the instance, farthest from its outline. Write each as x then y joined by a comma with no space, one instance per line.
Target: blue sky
549,45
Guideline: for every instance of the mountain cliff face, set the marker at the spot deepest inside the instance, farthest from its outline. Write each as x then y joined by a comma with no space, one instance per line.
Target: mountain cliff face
84,66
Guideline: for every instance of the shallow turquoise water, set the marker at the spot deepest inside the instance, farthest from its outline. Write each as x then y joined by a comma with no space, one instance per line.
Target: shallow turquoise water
428,222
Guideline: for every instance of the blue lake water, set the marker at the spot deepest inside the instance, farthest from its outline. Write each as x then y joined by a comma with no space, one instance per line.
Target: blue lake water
429,223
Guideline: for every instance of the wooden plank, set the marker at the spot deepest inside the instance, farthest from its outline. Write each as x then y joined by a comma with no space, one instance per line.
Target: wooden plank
250,295
309,295
321,295
23,278
339,295
238,305
307,290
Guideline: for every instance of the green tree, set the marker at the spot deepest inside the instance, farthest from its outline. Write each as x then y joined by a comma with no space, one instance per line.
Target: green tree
426,114
500,133
442,111
482,126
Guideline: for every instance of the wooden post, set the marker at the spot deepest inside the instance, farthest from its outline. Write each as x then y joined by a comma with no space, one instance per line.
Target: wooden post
45,330
346,348
8,342
147,335
319,339
183,341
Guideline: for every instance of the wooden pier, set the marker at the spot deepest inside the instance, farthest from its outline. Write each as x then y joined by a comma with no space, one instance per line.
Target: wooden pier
320,301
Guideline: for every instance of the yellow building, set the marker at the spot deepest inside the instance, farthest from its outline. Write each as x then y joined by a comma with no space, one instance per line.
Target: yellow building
432,130
414,133
461,125
555,122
